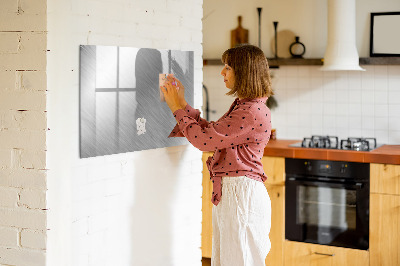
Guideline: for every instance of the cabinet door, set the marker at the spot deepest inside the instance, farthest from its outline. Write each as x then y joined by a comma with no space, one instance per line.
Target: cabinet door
277,233
206,226
385,178
304,254
384,230
274,168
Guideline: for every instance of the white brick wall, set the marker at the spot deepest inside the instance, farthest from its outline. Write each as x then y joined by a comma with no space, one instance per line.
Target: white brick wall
140,208
22,132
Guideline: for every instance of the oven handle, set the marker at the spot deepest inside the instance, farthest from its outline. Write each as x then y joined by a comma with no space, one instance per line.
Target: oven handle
324,254
357,185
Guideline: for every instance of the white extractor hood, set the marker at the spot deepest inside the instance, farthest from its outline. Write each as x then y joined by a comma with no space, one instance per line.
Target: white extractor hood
341,51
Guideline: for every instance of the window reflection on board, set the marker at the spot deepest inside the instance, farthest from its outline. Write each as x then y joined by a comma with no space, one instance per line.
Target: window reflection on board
120,108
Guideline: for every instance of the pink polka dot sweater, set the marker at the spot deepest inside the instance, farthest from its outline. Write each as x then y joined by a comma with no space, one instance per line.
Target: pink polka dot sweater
238,139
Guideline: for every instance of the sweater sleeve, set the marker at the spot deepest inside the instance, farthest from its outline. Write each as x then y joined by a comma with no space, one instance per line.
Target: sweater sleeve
193,113
229,131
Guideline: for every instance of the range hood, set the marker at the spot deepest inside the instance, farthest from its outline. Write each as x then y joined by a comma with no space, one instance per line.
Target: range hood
341,51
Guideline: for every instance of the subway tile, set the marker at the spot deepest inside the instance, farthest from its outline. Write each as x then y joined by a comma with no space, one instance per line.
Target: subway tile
380,97
342,109
394,83
355,132
367,110
394,110
329,109
394,71
354,82
382,110
381,123
329,122
355,96
317,107
342,122
394,123
355,109
380,71
291,71
316,72
394,137
367,96
355,122
329,94
317,95
304,72
292,82
381,84
382,136
368,122
367,133
342,96
304,82
394,97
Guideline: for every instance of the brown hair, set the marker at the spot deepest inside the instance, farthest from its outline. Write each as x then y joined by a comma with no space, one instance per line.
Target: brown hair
250,66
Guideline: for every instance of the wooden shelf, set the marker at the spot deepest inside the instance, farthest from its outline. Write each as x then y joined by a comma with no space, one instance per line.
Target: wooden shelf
274,63
380,61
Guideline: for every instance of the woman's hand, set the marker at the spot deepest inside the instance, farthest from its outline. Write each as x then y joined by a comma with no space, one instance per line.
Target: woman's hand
172,94
181,91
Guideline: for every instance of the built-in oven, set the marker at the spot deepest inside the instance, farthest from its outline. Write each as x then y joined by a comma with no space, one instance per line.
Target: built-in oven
327,202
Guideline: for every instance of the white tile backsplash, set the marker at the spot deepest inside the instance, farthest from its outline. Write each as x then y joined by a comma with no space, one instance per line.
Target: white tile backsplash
343,103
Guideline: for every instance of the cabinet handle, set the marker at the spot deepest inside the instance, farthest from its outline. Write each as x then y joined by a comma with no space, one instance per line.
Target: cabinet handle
324,254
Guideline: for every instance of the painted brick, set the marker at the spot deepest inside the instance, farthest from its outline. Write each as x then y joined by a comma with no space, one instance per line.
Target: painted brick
9,42
34,120
192,23
30,80
98,222
31,159
8,197
23,19
17,256
30,7
5,158
31,55
33,199
15,139
8,6
8,237
23,100
33,239
23,218
7,80
23,178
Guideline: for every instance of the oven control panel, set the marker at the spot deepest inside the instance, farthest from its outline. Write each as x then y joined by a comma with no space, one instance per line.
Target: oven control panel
338,169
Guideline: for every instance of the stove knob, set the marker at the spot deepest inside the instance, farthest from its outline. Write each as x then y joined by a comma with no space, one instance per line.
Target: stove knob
343,168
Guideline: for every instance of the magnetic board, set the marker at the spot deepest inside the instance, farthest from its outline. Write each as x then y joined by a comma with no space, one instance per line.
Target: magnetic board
120,107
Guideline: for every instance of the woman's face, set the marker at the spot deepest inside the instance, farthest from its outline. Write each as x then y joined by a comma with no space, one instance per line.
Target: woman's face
229,76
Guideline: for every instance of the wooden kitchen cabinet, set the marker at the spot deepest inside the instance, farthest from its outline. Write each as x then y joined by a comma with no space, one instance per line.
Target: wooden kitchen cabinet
385,178
274,168
385,215
206,225
305,254
277,233
384,236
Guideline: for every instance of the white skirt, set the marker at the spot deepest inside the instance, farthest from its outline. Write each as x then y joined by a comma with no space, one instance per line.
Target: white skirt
241,223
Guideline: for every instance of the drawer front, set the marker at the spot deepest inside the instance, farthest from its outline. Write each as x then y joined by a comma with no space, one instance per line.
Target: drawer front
297,253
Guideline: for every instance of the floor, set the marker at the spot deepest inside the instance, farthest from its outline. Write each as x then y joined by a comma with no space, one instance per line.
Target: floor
206,261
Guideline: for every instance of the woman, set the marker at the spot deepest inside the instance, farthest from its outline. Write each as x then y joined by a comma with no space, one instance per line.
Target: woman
242,208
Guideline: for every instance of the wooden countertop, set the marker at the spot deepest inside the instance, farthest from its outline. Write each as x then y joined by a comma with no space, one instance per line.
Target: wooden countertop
389,154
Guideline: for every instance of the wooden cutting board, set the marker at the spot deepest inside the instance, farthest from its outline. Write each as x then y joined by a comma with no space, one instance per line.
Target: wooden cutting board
239,35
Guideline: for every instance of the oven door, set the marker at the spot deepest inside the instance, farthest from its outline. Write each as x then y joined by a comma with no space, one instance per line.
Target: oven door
327,213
